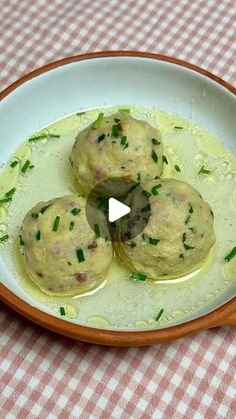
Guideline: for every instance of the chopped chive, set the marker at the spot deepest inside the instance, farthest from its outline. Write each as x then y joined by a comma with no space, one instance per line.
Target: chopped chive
56,223
146,193
37,138
147,208
114,142
71,226
204,171
31,166
132,245
187,247
101,138
4,238
10,193
35,215
153,241
69,263
139,177
159,314
75,211
14,163
154,156
177,168
190,208
157,177
181,256
230,255
138,277
126,146
134,186
115,131
184,237
25,166
116,119
212,213
154,189
97,230
164,158
5,200
98,121
80,255
124,110
62,311
54,135
177,127
38,235
123,140
22,243
80,113
122,167
43,209
155,142
187,219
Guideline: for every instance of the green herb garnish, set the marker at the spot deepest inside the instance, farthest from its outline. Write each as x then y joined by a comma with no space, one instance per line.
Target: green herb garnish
138,277
97,230
164,159
139,177
69,263
5,200
80,113
181,256
14,163
38,235
187,247
146,193
154,156
56,223
155,142
190,208
10,193
37,138
101,138
212,213
117,120
204,171
34,215
53,135
153,241
187,219
43,209
22,243
154,189
132,245
123,140
25,166
134,186
115,131
177,168
159,314
71,226
145,209
4,238
177,127
98,121
126,146
75,211
230,255
80,255
123,110
62,311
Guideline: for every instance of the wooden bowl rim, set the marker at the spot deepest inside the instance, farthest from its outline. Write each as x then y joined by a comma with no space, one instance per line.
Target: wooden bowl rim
103,336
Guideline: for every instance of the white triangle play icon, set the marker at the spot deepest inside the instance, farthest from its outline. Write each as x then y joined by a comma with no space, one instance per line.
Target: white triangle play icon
116,209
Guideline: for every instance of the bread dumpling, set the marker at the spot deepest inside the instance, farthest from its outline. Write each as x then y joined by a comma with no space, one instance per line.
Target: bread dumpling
117,146
61,252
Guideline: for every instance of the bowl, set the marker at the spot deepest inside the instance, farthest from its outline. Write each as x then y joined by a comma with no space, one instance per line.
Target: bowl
103,80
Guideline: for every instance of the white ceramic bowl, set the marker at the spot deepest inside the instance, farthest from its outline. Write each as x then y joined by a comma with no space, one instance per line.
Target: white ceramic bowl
108,79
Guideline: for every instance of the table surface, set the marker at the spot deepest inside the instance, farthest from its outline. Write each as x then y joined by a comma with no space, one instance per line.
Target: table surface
44,374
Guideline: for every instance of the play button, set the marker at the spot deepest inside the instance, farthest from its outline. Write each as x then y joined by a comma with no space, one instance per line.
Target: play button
118,209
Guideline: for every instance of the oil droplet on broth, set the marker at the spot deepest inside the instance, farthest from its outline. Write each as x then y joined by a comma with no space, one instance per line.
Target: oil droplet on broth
141,301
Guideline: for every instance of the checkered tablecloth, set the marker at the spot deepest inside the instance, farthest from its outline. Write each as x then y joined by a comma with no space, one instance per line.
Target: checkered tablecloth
43,374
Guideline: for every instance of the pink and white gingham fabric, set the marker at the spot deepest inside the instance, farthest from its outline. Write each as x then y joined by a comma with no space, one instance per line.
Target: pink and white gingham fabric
43,374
